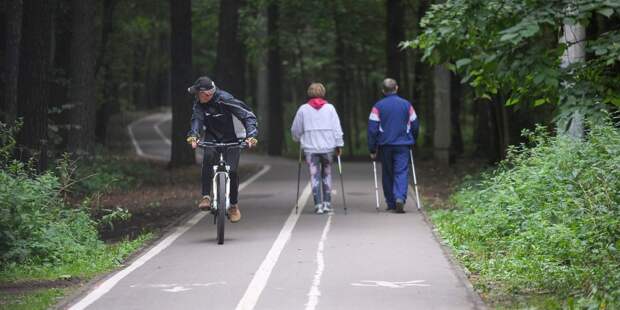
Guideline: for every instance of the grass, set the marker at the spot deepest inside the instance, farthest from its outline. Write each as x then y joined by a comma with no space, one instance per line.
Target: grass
107,259
542,230
39,299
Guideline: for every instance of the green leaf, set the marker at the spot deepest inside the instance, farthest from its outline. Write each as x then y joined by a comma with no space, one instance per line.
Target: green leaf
462,62
512,101
508,36
607,12
539,102
530,30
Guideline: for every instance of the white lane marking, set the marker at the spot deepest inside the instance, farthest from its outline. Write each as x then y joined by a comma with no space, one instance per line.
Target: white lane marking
388,284
176,289
256,286
158,130
135,143
313,295
176,284
102,288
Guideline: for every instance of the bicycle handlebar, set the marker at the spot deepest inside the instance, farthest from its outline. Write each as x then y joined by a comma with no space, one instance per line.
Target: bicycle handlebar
209,144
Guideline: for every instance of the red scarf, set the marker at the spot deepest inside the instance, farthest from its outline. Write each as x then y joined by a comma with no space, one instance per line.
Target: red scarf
317,103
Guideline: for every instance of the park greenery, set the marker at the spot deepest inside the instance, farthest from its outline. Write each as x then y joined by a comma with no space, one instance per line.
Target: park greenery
542,229
539,229
47,229
512,49
545,222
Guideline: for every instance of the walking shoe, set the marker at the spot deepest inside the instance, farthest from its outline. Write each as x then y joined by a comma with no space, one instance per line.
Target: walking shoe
205,203
234,214
327,207
318,209
400,204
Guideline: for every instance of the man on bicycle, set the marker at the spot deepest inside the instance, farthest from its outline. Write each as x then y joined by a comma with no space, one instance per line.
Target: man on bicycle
223,119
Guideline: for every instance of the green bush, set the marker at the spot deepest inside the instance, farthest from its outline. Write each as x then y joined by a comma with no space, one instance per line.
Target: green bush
546,222
36,226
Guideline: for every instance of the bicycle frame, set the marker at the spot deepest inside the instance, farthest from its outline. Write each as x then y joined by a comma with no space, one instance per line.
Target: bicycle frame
221,168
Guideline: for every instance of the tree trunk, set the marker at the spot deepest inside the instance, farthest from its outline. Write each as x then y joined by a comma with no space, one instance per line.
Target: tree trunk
262,86
395,33
109,93
443,133
11,57
107,28
181,78
82,93
575,37
274,72
34,76
455,117
230,60
342,83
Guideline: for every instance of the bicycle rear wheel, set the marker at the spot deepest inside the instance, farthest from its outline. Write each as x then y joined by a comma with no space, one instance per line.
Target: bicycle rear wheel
221,207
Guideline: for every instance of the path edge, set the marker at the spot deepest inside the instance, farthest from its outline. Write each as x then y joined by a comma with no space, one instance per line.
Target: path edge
460,270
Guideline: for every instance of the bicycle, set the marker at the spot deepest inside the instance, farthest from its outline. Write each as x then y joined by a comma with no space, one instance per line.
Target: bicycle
221,184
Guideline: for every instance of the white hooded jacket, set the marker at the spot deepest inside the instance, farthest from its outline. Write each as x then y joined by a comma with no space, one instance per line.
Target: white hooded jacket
318,130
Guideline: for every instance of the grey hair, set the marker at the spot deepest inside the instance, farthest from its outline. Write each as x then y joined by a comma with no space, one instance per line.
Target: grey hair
389,86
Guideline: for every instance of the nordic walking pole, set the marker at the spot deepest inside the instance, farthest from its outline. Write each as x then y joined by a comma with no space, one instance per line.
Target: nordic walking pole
344,201
415,181
298,180
374,169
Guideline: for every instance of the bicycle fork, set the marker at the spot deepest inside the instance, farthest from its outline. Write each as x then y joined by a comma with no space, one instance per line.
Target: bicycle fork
217,172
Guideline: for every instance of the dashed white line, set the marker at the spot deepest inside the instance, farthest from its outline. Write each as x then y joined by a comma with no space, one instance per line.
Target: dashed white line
158,130
315,292
107,285
254,290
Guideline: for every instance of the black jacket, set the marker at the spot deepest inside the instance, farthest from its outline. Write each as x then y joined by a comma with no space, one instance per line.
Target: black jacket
216,117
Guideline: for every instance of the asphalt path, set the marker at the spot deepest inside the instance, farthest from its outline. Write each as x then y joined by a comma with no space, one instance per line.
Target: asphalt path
278,259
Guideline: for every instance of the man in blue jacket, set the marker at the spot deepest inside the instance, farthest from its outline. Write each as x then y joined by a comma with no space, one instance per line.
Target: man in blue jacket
392,131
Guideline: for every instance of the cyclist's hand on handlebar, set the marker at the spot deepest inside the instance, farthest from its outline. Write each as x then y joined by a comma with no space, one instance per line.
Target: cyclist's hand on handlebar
251,141
193,141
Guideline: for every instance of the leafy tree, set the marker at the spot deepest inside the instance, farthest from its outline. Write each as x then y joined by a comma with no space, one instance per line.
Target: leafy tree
511,48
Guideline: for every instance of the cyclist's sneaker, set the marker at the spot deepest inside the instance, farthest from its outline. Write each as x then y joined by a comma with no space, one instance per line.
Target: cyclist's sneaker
327,207
318,209
234,214
400,204
205,203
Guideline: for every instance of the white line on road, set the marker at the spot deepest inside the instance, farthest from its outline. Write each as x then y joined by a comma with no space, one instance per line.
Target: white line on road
135,143
313,295
158,130
107,285
254,290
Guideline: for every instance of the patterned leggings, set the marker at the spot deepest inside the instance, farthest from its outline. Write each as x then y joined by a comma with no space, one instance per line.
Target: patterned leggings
320,173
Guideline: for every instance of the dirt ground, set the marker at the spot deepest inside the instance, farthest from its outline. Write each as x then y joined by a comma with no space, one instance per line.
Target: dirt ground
155,207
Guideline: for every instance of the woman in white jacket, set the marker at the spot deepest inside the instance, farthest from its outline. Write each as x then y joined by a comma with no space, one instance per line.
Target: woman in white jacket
317,127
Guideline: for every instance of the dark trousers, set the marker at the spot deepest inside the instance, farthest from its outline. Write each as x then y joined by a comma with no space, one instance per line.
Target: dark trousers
210,158
395,163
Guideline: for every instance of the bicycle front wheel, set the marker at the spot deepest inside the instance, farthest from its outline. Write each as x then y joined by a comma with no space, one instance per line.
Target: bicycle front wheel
221,207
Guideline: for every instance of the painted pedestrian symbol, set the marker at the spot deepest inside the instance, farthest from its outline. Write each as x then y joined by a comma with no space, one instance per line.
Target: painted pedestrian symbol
388,284
176,288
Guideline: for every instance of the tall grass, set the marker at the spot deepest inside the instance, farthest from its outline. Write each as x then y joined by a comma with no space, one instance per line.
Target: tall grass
545,223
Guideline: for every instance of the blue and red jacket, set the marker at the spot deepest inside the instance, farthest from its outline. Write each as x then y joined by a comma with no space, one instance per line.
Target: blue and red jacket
392,121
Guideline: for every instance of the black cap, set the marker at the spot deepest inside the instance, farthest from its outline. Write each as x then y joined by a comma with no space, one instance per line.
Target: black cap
203,83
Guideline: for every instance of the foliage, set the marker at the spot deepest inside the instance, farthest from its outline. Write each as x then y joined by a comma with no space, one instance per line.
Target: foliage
37,227
38,300
512,47
545,222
